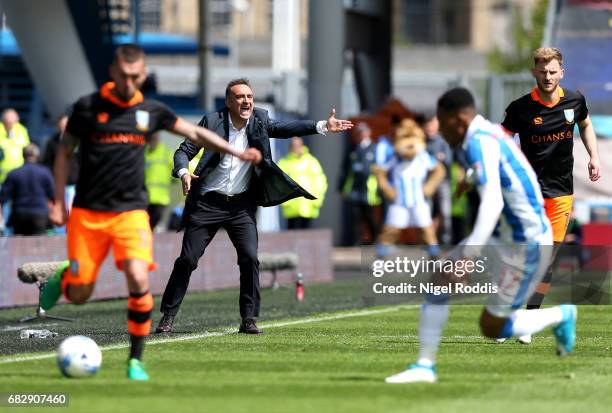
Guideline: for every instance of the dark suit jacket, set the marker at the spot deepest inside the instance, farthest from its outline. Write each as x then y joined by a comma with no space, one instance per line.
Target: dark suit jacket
269,184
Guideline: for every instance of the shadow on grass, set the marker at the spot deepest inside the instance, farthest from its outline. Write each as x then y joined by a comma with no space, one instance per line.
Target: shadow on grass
365,379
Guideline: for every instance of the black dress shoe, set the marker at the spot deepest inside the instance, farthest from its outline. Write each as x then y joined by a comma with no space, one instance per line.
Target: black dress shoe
248,326
165,324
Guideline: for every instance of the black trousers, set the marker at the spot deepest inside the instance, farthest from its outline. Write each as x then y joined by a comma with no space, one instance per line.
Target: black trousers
299,223
363,213
27,223
237,216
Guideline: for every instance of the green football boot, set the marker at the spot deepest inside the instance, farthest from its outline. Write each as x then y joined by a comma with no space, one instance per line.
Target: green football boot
136,370
53,288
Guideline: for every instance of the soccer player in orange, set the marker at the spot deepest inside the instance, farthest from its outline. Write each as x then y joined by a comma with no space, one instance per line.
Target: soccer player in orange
544,121
111,128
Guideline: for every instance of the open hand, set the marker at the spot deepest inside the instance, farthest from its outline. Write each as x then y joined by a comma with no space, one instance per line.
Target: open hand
594,170
186,181
58,214
337,125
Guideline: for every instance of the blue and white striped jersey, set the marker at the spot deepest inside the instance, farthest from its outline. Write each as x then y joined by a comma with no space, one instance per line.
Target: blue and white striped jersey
408,178
507,185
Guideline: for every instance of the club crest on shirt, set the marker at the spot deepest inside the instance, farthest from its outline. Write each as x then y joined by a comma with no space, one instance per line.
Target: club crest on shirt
537,120
142,120
569,115
102,117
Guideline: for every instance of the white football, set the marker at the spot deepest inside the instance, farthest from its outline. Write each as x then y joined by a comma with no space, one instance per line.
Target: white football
79,356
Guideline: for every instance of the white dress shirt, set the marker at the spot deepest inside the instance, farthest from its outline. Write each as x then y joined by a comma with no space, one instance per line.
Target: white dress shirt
232,176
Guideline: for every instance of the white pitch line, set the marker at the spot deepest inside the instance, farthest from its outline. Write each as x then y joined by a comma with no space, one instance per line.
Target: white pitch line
208,334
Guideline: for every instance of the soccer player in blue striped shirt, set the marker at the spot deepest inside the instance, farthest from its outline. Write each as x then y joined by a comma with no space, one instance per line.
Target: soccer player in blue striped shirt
509,192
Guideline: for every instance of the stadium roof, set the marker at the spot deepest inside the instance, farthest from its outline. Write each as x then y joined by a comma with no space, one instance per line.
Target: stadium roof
152,43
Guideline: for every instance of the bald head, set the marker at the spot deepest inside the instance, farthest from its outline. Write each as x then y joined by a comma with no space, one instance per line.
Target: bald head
9,118
31,153
363,131
297,146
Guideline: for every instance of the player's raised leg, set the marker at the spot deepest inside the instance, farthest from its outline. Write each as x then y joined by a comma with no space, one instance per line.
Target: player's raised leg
502,318
87,244
522,322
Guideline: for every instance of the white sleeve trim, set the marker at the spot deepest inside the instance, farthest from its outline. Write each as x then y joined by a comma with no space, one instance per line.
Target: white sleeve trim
322,127
182,172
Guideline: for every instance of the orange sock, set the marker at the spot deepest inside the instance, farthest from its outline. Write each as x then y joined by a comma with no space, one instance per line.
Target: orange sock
139,313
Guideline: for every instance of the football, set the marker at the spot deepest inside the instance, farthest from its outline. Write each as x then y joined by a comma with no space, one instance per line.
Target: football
79,356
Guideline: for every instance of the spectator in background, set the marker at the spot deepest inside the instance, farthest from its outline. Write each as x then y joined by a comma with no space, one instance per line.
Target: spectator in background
48,160
158,178
357,184
441,200
30,190
303,168
13,138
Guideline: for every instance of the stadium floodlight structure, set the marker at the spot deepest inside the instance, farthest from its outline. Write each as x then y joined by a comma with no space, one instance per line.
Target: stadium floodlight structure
338,30
552,11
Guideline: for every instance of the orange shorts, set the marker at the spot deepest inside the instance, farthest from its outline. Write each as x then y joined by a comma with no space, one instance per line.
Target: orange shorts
90,234
558,211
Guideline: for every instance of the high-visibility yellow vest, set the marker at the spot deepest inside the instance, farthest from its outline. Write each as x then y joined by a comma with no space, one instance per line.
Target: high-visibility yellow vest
12,145
193,164
158,174
306,171
459,206
373,195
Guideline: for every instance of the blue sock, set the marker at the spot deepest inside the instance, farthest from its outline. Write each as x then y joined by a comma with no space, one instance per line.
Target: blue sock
433,250
383,250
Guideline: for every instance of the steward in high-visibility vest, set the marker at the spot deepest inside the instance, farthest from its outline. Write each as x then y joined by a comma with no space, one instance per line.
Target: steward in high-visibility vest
359,188
158,178
306,170
13,139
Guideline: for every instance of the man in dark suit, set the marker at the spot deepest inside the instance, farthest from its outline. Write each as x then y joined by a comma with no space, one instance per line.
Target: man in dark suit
224,192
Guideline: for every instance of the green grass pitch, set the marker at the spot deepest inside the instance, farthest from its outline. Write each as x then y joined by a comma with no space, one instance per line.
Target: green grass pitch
311,360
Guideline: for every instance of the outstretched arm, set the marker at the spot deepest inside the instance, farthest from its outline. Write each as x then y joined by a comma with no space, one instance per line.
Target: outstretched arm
589,139
337,125
287,129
